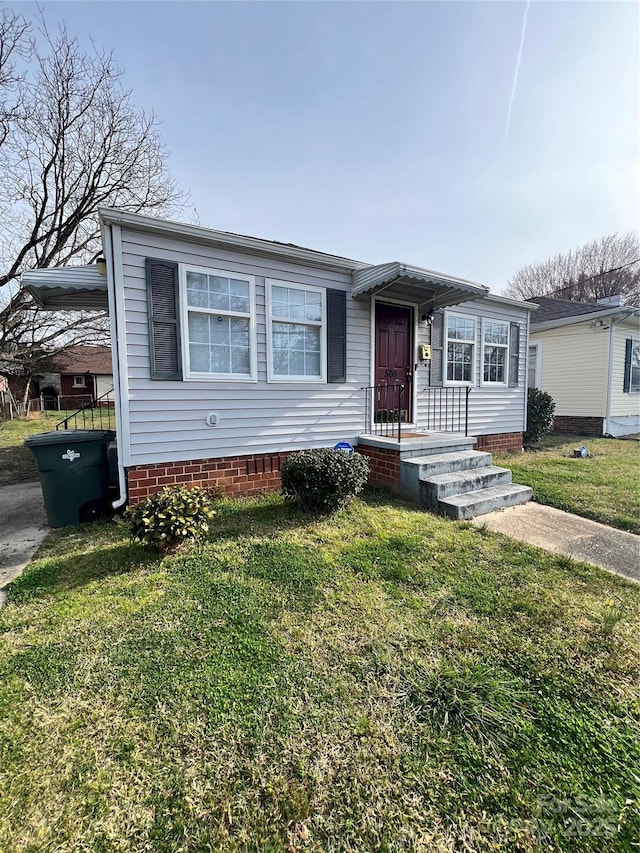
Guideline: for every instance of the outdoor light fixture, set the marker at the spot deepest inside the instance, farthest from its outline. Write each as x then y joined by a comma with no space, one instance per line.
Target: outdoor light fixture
101,266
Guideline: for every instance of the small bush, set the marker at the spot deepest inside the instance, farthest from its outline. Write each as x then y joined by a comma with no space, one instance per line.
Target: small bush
323,480
174,515
540,410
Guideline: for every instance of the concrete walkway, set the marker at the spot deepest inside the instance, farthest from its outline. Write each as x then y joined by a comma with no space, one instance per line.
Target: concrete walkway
22,529
563,533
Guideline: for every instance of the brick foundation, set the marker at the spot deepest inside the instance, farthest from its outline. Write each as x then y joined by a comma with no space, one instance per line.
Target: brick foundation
234,475
578,425
384,466
500,442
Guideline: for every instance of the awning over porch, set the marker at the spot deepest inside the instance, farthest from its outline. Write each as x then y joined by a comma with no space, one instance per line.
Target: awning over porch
80,288
429,289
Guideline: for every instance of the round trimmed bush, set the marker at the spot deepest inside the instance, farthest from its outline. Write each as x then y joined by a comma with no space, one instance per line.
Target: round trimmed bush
323,480
174,515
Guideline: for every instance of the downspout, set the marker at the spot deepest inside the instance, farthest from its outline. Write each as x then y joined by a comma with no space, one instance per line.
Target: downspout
525,396
612,335
115,351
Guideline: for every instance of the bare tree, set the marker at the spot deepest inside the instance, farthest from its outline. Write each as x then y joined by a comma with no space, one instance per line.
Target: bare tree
15,47
605,267
77,144
71,141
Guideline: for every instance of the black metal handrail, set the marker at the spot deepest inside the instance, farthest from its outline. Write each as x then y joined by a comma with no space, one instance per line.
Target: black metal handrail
96,414
447,409
384,410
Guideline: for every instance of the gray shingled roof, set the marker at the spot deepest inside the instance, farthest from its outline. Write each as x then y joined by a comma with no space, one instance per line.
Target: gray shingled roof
558,309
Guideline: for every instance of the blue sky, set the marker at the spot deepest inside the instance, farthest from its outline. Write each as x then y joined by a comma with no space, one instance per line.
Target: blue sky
377,130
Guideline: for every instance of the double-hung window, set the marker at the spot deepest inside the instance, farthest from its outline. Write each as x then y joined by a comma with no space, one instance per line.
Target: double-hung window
461,344
296,332
632,365
495,348
218,311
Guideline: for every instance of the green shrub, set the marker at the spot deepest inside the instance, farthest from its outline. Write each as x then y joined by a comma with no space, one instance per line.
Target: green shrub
540,410
323,480
174,515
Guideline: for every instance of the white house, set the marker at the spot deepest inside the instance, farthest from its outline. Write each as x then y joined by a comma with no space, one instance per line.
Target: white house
229,352
587,356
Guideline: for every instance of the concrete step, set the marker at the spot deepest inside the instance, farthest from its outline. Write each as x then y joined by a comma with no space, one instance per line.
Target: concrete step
442,486
443,463
471,504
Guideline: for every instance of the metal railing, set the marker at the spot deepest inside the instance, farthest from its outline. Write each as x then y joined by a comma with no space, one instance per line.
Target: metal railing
96,414
385,410
446,409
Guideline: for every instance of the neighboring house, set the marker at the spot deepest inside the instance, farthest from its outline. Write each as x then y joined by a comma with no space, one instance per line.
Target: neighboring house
84,374
230,352
587,356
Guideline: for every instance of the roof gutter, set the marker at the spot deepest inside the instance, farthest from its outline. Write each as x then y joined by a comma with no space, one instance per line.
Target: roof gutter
615,316
228,240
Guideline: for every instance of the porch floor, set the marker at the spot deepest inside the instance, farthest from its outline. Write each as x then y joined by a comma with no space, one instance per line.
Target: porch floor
416,441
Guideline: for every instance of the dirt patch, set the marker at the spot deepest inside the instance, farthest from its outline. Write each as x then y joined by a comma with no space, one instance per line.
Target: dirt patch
17,465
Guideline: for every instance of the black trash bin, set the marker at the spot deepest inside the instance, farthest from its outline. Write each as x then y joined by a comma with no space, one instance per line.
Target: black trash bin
74,473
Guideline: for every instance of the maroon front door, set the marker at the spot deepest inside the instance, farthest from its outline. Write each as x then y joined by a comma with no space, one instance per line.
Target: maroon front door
393,361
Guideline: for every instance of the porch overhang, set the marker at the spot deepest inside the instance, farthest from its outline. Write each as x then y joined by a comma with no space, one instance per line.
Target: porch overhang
80,288
427,288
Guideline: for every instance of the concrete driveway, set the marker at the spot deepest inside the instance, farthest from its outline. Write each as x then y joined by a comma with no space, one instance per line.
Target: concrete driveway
23,526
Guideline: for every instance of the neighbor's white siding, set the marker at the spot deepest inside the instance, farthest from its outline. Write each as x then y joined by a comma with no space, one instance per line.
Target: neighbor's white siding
167,419
574,368
492,409
103,385
625,406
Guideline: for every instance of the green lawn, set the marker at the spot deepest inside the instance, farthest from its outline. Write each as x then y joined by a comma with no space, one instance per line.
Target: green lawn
16,461
15,431
604,487
384,680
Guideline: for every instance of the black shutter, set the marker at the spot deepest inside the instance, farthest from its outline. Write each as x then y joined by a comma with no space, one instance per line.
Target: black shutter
628,354
436,374
514,354
164,319
336,336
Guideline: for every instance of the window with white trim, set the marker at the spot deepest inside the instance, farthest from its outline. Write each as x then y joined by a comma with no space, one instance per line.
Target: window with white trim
461,345
633,368
296,332
79,382
495,352
218,310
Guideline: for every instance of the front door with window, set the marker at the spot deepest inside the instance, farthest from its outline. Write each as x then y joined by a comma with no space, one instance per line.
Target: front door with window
393,362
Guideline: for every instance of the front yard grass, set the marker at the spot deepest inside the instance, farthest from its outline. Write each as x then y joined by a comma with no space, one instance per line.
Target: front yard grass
17,464
14,432
383,680
604,487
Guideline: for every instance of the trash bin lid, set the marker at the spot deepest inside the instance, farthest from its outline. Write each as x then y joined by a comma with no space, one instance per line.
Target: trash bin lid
68,436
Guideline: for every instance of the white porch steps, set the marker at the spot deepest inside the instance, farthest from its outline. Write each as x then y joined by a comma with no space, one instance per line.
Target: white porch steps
461,483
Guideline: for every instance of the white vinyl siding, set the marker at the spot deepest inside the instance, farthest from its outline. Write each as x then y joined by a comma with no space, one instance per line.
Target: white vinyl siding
168,418
492,408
